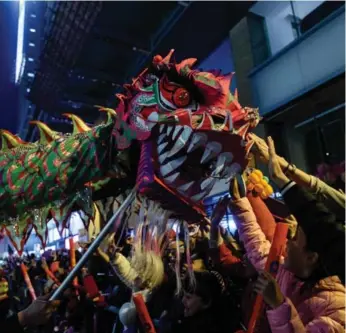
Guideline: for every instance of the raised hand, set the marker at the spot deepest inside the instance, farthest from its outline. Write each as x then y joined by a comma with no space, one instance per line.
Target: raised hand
275,170
261,149
267,286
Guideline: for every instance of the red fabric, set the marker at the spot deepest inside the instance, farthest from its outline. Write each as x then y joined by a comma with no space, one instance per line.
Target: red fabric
54,267
228,262
143,313
264,217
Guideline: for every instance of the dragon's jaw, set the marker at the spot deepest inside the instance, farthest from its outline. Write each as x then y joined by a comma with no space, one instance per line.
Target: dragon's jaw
191,161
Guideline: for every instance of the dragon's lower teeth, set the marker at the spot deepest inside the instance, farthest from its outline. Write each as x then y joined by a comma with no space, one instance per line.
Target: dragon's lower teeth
206,183
172,165
223,161
185,187
172,178
199,196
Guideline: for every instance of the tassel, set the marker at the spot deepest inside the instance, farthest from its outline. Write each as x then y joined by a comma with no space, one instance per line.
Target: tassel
177,261
188,256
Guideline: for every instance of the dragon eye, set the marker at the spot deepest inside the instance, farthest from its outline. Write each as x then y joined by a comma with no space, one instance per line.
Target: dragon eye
181,98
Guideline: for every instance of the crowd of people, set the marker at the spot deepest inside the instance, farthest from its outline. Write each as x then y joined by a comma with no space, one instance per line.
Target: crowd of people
229,271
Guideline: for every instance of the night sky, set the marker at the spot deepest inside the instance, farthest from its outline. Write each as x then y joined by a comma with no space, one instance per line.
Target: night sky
8,44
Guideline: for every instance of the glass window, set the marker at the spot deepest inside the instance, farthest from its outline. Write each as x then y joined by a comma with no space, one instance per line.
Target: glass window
32,44
32,30
30,59
283,20
31,74
33,15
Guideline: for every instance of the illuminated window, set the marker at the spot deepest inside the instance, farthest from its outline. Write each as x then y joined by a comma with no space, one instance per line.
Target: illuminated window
31,59
31,74
32,30
33,15
28,90
32,44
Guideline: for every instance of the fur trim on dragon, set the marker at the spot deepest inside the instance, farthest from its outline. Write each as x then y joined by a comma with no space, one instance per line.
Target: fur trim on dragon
191,131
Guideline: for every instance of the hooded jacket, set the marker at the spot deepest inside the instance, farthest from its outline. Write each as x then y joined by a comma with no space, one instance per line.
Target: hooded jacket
321,309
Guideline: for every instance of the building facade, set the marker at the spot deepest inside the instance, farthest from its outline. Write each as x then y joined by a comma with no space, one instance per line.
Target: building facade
31,36
289,57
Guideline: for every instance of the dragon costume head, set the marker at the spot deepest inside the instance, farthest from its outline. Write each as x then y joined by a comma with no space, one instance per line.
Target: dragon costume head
196,125
191,131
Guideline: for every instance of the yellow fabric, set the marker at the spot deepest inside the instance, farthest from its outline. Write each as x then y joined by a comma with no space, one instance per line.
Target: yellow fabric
321,188
95,227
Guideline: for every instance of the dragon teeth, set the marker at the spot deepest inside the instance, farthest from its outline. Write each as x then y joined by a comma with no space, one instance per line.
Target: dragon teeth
176,131
211,150
230,171
198,140
209,182
172,165
169,130
185,187
163,157
161,147
172,178
181,141
223,160
235,168
161,138
199,197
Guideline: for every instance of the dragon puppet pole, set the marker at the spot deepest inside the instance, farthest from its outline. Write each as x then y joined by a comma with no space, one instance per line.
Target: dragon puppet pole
93,246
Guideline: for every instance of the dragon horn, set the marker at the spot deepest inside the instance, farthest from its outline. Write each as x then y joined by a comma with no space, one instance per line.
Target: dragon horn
236,94
47,135
111,114
226,81
167,58
79,126
185,66
10,140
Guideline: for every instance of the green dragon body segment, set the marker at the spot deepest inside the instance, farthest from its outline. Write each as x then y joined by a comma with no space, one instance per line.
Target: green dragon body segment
32,175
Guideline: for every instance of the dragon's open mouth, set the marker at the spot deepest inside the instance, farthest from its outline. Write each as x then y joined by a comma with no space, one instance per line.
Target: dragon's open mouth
191,161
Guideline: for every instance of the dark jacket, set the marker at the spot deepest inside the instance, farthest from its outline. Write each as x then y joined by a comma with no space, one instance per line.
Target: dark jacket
11,325
203,322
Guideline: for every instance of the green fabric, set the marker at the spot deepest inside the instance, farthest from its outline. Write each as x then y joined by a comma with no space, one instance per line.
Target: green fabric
36,177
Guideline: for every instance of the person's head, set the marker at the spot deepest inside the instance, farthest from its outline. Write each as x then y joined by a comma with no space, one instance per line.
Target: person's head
300,260
33,262
317,249
204,295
